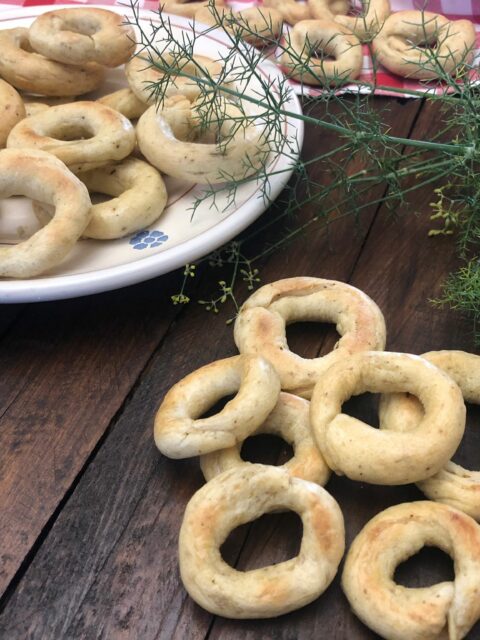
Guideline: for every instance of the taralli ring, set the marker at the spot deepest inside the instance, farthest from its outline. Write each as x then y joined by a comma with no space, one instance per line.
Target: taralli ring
138,195
142,74
402,46
178,431
453,485
291,421
30,71
242,495
313,44
83,135
126,102
260,327
40,176
290,10
360,452
163,137
365,26
444,610
12,110
79,35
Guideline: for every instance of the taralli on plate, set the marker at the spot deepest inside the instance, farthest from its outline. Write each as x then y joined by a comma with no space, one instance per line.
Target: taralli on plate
41,176
163,133
381,456
30,71
126,102
453,485
290,10
138,195
444,610
142,74
242,495
257,25
180,433
84,135
402,46
260,327
83,34
313,44
290,420
364,25
12,110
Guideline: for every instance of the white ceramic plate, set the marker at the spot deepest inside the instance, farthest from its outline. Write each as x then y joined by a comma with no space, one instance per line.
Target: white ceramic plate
175,239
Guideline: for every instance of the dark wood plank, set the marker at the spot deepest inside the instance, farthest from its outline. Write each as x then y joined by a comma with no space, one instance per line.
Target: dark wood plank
108,567
66,370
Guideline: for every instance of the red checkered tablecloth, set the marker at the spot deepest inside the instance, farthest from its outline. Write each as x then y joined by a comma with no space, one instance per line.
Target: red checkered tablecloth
390,84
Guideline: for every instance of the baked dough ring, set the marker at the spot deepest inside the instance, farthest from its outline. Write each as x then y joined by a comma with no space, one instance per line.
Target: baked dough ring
266,24
290,10
141,76
364,26
162,140
126,102
84,135
291,421
179,434
362,453
12,110
453,485
139,198
41,176
83,34
242,495
398,45
444,610
326,36
260,326
30,71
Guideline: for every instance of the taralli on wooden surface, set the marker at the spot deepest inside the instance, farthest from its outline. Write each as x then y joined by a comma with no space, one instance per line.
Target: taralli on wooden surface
84,135
260,327
142,74
30,71
41,176
402,45
83,34
365,25
242,495
444,610
290,420
381,456
313,44
178,430
163,133
453,485
12,110
126,102
138,195
290,10
257,25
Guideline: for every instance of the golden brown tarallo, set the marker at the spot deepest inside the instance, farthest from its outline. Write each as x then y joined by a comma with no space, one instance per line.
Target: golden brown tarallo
290,420
41,176
381,456
12,110
260,326
365,25
444,611
242,495
181,433
126,102
453,484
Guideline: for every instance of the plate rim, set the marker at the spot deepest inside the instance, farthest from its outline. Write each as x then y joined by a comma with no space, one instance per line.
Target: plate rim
61,287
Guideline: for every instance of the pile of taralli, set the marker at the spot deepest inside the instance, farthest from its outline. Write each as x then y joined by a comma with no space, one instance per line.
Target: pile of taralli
422,421
59,150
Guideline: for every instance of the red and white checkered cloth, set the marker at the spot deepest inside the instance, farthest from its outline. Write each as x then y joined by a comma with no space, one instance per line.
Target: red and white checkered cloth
453,9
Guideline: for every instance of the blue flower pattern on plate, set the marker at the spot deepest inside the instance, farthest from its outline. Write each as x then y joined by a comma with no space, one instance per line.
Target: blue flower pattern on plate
148,239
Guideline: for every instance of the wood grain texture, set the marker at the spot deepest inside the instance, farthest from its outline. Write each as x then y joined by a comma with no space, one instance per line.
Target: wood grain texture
107,568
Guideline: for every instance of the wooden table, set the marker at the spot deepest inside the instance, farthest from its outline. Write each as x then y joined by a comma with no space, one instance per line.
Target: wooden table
90,511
